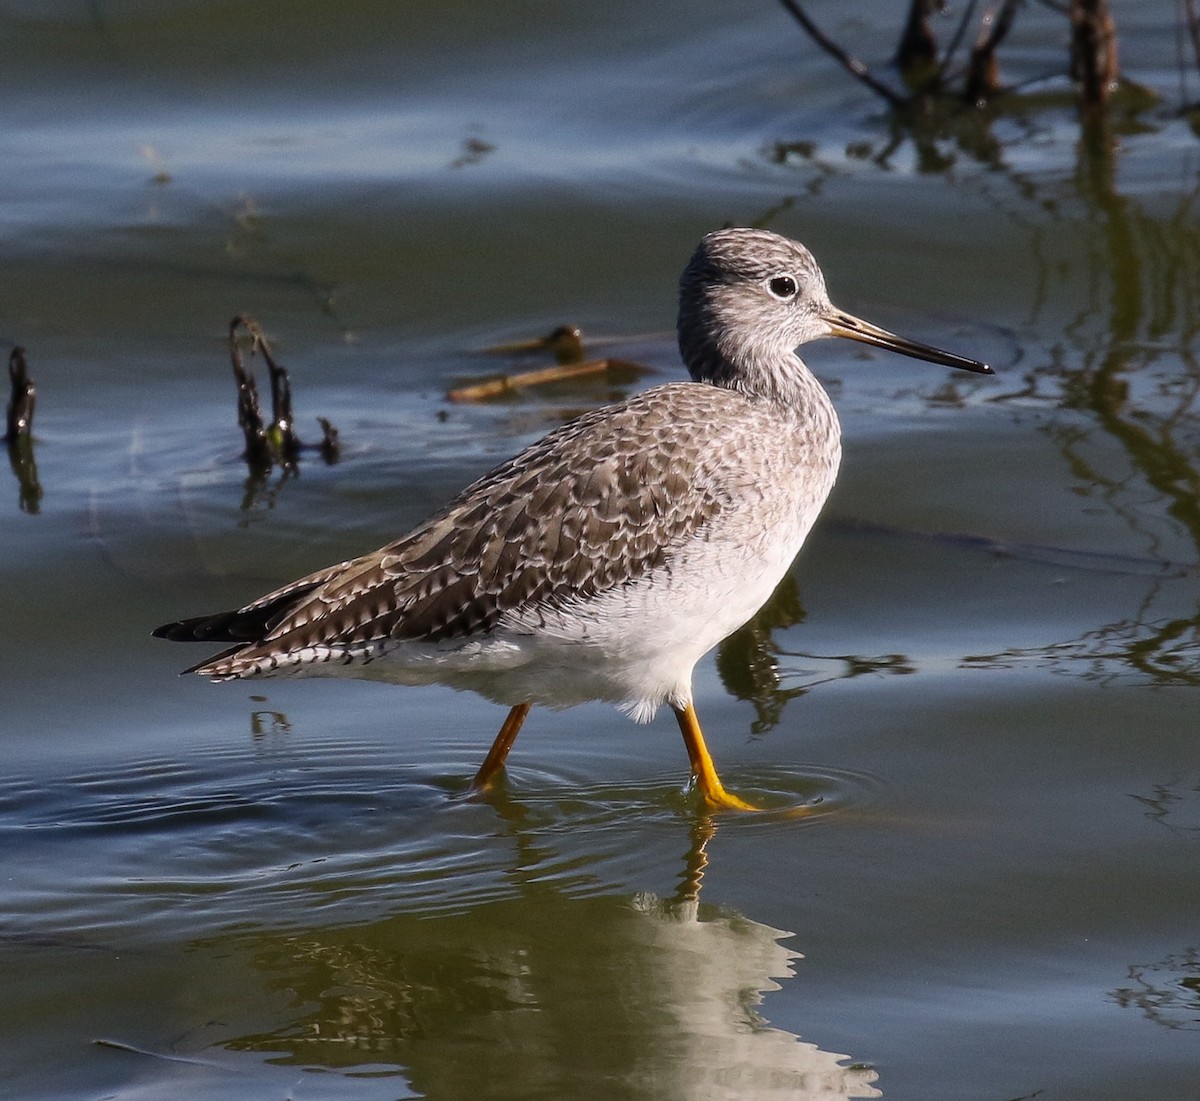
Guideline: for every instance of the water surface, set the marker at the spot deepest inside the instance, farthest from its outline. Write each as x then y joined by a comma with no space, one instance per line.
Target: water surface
981,671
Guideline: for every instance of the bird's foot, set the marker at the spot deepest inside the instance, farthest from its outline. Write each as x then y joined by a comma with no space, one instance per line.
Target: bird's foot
715,797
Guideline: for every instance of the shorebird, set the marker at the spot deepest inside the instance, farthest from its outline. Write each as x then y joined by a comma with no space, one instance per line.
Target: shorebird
604,560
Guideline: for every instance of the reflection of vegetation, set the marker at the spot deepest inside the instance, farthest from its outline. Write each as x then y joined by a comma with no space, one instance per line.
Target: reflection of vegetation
1145,273
945,137
1164,651
1125,380
24,467
748,660
1167,992
263,723
1166,801
473,151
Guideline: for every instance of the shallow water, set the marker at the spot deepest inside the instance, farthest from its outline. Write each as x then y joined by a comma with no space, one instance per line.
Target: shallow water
980,677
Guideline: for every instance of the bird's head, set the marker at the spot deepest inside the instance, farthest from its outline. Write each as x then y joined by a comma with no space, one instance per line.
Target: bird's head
749,297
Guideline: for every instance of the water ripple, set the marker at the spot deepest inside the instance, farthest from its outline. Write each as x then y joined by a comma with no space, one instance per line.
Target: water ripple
339,832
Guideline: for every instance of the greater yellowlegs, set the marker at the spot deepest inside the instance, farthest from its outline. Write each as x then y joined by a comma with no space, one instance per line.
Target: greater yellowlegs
603,561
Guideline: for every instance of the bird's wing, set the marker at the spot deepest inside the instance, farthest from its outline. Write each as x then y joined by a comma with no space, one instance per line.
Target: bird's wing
594,504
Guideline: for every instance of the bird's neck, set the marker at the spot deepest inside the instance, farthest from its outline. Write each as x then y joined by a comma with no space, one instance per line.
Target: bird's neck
759,371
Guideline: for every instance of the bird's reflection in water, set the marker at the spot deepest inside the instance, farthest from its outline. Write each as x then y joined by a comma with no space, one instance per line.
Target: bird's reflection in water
714,969
549,995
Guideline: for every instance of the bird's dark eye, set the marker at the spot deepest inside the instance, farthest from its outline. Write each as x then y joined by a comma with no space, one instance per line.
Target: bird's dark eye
782,286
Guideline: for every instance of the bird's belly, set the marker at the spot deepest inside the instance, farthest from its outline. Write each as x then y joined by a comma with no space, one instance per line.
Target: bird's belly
634,644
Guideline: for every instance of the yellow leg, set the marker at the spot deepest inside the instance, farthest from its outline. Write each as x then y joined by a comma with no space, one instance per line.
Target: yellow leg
703,768
494,761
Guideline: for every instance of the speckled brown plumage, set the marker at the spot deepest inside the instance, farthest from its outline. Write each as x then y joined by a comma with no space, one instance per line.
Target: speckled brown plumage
596,504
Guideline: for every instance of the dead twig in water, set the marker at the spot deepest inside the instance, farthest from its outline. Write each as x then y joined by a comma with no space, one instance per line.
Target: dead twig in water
277,442
1193,27
506,384
258,454
952,49
23,400
19,432
566,343
983,70
1093,52
916,56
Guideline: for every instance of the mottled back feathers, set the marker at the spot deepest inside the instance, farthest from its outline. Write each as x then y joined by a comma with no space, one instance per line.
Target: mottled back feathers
596,504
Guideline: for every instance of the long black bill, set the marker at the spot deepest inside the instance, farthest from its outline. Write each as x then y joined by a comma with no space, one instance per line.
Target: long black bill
854,328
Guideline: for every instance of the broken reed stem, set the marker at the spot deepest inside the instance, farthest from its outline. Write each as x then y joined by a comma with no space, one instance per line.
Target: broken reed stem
283,430
258,454
955,41
1193,26
983,70
23,397
1093,52
504,384
19,432
276,442
916,55
330,446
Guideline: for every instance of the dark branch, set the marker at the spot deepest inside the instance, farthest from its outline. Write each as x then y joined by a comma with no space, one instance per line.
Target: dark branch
983,71
258,446
19,432
24,397
1193,25
918,44
952,49
851,64
1093,51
